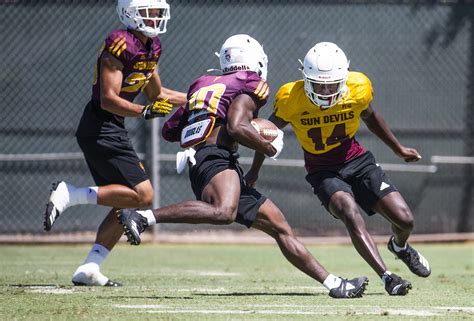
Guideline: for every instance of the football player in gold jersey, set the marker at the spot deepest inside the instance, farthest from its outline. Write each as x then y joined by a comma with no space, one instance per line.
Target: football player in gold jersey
324,109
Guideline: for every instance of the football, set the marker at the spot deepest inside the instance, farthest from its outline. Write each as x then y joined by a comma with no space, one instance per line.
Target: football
265,128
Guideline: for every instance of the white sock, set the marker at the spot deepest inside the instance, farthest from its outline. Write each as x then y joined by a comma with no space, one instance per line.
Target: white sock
385,274
97,255
150,217
396,247
332,282
82,195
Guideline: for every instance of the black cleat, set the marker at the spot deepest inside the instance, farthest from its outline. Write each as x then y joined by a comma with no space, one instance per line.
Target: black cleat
113,283
350,288
414,260
395,285
133,224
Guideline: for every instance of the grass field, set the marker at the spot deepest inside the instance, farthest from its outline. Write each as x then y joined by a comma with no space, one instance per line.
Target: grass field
225,282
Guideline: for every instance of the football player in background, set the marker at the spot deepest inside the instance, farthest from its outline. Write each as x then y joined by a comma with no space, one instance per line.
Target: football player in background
324,110
216,120
127,65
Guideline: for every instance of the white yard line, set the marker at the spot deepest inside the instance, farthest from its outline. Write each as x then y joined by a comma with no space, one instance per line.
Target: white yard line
258,290
210,273
289,309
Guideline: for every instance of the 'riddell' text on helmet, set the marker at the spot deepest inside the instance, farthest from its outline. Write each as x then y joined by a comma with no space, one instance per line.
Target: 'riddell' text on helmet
325,66
234,68
242,52
147,16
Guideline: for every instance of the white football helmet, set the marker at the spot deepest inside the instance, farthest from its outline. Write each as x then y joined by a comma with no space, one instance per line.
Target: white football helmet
242,52
135,14
325,70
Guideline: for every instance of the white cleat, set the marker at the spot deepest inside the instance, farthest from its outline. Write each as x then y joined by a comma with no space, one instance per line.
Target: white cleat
57,204
89,275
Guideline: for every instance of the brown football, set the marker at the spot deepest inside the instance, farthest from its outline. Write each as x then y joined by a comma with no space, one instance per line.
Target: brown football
265,128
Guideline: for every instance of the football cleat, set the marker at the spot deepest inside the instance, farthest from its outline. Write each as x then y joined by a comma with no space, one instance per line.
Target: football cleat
85,276
350,288
414,260
58,202
133,224
395,285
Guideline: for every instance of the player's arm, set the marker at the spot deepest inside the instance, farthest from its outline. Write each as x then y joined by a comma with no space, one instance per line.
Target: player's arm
252,175
240,115
155,91
377,125
111,77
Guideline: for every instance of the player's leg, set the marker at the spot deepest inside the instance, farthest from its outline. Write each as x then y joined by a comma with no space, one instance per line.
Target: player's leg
343,206
394,208
122,182
116,170
110,231
216,184
272,221
64,195
218,206
337,197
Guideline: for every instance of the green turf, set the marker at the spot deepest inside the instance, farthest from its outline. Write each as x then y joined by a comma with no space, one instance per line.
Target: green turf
225,282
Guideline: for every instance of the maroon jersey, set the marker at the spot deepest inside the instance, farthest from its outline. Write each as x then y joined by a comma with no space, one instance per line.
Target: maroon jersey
211,97
139,61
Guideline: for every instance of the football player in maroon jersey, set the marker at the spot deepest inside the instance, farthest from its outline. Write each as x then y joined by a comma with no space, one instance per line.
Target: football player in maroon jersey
217,118
127,65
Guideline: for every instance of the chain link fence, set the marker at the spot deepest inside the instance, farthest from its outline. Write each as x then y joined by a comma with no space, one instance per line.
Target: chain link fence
418,54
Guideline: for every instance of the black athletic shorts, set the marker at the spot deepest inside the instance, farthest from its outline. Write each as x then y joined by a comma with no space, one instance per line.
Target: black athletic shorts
360,176
112,160
211,160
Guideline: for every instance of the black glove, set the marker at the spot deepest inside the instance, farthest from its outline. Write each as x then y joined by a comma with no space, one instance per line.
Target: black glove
158,108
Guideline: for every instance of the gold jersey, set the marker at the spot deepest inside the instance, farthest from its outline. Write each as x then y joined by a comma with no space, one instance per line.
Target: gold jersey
328,135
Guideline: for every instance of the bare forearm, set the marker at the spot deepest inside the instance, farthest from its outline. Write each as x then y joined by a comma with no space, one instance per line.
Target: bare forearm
246,135
257,162
377,125
176,98
119,106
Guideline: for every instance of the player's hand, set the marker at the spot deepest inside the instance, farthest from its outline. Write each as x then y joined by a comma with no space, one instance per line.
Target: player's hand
158,108
251,178
409,154
278,144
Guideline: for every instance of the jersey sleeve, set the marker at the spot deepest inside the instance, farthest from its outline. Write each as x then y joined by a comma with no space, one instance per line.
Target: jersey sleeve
117,45
280,108
172,128
257,88
363,92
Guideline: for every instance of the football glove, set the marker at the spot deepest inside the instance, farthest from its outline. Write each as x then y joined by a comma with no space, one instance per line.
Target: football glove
278,144
158,108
